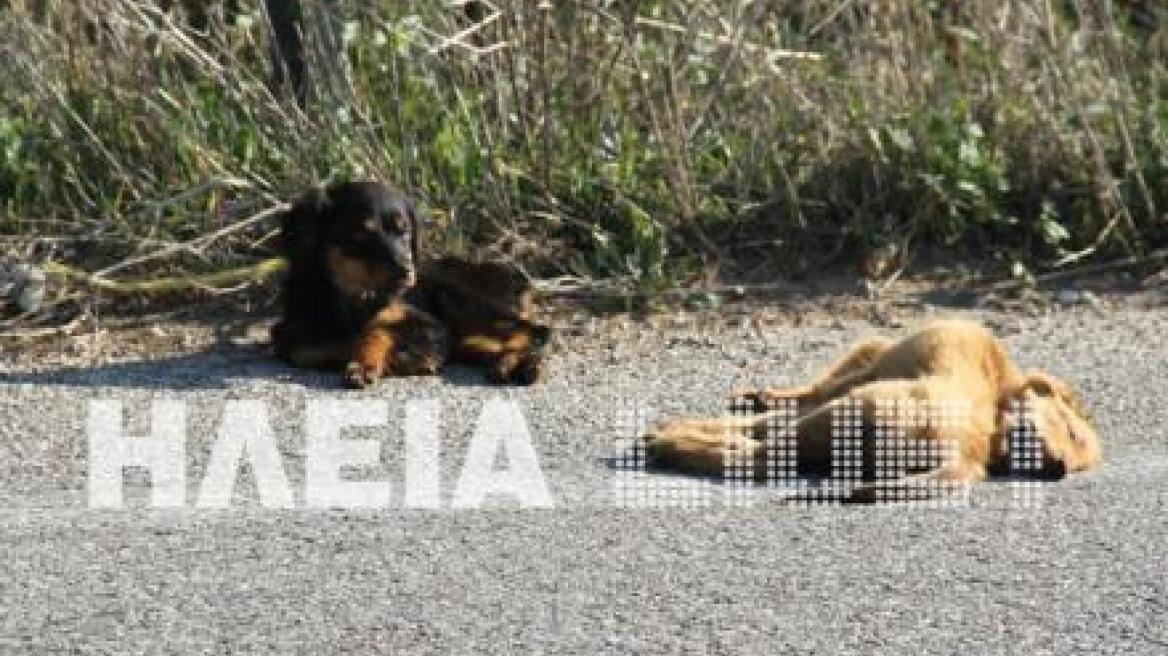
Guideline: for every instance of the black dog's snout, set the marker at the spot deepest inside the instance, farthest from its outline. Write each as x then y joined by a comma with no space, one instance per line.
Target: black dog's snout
540,335
396,250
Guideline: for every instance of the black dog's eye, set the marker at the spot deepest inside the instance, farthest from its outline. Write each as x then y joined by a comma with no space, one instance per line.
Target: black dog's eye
396,222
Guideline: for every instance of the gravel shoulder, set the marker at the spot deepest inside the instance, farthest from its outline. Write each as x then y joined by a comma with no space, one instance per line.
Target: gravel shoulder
1081,571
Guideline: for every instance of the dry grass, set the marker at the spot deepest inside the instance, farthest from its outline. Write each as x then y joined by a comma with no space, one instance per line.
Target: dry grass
631,140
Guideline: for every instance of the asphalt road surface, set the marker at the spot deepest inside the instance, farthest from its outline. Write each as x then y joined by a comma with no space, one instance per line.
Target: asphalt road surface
1079,568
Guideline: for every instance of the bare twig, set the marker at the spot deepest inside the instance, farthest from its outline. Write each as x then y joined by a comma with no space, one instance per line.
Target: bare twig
1111,265
47,331
773,53
459,38
193,245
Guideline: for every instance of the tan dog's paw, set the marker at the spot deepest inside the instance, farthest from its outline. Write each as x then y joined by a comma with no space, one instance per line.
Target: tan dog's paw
746,400
765,399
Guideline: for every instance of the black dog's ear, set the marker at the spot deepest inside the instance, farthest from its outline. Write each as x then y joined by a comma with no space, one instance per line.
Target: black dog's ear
300,225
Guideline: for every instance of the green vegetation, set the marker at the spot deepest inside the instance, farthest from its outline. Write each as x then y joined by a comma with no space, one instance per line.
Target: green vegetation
630,140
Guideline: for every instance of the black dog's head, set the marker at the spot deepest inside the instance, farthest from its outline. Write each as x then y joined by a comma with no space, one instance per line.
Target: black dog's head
363,235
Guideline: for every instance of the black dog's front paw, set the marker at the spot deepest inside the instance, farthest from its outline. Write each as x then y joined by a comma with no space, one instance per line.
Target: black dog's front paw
517,369
359,376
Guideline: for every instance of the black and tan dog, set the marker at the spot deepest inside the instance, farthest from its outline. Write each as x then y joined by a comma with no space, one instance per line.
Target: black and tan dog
357,296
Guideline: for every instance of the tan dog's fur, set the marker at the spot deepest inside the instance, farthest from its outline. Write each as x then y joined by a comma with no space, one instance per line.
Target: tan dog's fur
948,361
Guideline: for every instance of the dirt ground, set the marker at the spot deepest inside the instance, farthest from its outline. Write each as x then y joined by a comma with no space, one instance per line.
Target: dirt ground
585,322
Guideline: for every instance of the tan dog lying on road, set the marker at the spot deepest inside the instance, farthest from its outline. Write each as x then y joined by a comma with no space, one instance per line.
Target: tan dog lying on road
881,381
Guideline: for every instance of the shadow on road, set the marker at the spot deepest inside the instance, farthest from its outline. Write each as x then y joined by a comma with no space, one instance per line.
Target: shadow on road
216,367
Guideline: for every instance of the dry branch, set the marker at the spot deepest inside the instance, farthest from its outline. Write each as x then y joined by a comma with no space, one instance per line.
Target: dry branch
213,282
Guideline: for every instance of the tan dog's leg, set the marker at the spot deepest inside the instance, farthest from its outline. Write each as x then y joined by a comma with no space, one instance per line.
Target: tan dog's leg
705,445
837,379
701,446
